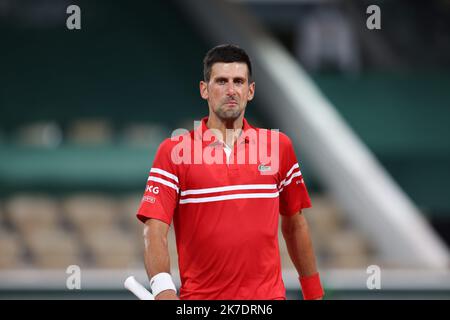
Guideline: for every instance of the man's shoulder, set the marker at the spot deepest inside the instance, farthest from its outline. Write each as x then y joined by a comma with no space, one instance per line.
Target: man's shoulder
283,138
169,143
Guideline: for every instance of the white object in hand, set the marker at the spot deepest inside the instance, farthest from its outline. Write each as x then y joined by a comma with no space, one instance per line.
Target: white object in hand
138,289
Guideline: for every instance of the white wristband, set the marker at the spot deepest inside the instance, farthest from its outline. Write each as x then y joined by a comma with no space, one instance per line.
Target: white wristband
160,282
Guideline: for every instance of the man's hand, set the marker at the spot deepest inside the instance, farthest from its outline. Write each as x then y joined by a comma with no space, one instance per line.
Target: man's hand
167,295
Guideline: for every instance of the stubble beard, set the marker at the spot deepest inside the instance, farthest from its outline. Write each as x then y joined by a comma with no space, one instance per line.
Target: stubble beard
228,115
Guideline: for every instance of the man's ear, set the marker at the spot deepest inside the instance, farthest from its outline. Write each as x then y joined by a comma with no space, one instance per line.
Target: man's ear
251,91
204,90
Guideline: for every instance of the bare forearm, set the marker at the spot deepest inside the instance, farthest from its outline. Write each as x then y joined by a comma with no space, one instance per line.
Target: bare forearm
156,259
299,245
156,253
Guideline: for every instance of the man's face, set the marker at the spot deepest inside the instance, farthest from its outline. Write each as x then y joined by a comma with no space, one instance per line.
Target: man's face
228,89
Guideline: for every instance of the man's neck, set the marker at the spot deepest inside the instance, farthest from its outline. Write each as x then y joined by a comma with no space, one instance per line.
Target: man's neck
234,126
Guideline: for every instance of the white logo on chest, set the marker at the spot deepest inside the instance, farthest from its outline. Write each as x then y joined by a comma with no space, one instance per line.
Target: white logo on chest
264,168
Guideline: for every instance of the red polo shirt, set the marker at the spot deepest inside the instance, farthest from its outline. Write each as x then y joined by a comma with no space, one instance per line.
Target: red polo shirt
226,212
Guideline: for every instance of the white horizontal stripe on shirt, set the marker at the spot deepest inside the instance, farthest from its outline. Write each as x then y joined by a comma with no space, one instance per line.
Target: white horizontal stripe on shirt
295,166
292,169
230,197
230,188
164,173
297,174
164,182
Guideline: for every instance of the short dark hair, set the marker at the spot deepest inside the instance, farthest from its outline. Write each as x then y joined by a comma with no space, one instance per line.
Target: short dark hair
225,53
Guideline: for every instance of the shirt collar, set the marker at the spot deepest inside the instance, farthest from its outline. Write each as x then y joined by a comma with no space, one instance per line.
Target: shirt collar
243,138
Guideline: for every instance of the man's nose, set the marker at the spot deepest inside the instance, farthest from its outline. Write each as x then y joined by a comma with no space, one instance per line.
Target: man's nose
231,90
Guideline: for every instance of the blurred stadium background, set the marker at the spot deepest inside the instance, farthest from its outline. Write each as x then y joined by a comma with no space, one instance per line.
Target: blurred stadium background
82,113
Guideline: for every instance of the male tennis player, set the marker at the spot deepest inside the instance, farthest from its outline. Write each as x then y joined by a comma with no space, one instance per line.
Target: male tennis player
224,194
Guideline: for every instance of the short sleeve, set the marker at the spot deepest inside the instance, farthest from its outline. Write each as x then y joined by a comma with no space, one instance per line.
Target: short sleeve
160,197
293,193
